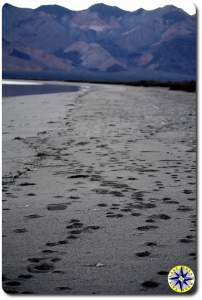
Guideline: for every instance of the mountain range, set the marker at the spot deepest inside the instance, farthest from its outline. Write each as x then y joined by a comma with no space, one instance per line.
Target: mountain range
99,43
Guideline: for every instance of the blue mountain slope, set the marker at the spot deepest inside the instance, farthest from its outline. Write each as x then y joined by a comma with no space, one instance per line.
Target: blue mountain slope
105,39
56,10
105,11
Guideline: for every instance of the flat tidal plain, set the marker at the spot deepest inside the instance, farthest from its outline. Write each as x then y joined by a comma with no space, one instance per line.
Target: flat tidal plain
99,190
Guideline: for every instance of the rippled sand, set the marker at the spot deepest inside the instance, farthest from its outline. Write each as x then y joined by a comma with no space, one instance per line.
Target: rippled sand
99,190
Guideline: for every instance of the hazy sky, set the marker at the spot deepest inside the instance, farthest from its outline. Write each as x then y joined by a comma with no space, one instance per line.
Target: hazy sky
130,5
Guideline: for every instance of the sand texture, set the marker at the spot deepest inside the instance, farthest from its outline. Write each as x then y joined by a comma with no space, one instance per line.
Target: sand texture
99,190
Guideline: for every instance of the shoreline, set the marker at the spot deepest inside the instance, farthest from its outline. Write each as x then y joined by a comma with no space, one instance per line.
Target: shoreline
187,86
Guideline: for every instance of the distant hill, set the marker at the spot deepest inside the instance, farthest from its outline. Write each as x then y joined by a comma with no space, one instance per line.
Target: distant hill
101,42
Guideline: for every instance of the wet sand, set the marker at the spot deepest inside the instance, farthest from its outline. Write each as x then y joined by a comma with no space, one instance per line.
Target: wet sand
99,190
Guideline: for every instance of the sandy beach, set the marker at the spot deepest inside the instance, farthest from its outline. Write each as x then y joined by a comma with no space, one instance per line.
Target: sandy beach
99,190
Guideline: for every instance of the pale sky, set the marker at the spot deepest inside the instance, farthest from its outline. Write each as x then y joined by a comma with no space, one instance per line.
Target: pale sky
129,5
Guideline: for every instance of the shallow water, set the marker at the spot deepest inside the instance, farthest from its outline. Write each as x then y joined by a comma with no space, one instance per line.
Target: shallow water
13,90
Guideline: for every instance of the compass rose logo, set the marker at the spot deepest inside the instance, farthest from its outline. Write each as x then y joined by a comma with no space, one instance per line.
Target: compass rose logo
181,279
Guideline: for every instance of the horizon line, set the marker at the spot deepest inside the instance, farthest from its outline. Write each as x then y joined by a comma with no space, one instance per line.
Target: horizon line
79,10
